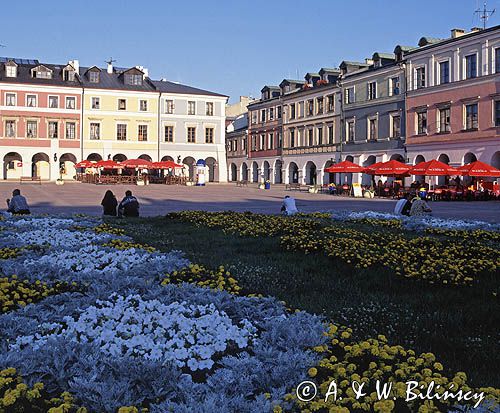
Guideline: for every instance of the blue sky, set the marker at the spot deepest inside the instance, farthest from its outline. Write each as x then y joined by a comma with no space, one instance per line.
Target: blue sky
232,47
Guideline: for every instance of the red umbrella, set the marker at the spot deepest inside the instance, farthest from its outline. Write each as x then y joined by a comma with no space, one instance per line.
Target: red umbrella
166,165
370,169
433,168
85,164
109,164
390,168
137,163
478,168
344,167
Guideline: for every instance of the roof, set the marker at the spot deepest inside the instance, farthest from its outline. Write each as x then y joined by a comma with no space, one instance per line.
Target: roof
429,40
270,88
113,81
389,56
329,70
350,63
165,86
311,74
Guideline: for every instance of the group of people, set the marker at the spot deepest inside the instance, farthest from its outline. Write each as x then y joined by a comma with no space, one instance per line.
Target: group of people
414,207
128,207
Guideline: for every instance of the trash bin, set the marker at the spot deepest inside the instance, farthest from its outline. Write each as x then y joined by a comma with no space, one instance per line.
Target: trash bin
267,185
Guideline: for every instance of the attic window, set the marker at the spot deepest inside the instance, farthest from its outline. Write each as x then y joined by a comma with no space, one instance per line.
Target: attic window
10,71
94,77
133,79
41,73
69,75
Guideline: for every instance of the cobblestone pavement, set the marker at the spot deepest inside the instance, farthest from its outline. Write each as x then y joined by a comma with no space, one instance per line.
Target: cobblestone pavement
160,199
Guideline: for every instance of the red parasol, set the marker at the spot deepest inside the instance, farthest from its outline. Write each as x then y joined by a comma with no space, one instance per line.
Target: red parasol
85,164
344,167
478,168
433,168
137,163
389,168
370,169
109,164
166,165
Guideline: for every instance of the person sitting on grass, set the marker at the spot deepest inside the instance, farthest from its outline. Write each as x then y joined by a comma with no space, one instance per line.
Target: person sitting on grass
419,207
17,205
403,206
109,204
129,207
288,206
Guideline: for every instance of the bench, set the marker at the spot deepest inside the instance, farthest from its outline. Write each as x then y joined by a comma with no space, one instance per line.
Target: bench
30,179
242,183
293,187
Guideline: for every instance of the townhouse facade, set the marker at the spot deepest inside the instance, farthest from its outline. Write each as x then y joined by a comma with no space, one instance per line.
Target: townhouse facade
237,148
52,116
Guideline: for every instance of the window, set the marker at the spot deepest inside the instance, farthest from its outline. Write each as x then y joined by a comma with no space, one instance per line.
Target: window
262,142
209,109
263,115
396,126
121,132
122,104
444,120
31,101
310,107
280,140
330,135
142,133
292,138
209,135
320,135
302,112
331,103
420,77
143,105
310,137
497,60
95,131
235,145
292,111
133,79
350,131
444,72
70,102
10,71
254,117
10,99
421,123
32,129
191,134
10,128
94,77
169,134
349,95
53,102
372,90
471,116
96,103
69,75
270,141
42,73
169,107
254,142
279,112
372,123
244,144
395,86
53,130
497,112
70,130
191,107
470,66
319,104
271,113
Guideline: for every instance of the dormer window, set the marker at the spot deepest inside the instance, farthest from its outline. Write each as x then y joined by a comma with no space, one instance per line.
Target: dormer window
133,79
94,77
41,72
69,75
10,69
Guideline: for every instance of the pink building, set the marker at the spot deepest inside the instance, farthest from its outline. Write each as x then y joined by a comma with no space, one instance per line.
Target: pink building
40,119
453,100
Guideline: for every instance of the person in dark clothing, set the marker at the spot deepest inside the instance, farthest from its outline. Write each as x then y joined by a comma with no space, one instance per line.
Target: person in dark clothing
109,204
129,207
18,205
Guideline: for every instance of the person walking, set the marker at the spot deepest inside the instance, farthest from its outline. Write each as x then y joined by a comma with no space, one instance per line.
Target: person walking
109,204
129,207
18,204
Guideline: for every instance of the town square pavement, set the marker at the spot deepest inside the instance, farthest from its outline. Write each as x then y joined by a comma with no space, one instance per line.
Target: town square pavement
74,197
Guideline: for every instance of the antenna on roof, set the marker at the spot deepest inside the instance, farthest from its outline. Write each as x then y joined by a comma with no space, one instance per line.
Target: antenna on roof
110,61
484,14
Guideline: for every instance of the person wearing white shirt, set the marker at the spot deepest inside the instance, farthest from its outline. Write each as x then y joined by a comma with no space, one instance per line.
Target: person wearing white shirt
288,206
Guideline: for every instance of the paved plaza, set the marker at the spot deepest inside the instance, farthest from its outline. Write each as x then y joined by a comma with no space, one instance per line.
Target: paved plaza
160,199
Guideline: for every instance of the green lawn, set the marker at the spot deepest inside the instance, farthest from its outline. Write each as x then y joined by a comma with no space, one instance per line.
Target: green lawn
458,324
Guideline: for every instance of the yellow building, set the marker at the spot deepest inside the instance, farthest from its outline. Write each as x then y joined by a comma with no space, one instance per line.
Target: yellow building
120,114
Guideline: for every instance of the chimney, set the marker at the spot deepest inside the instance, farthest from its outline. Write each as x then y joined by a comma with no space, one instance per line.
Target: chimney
368,61
457,33
76,65
143,70
475,29
110,68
